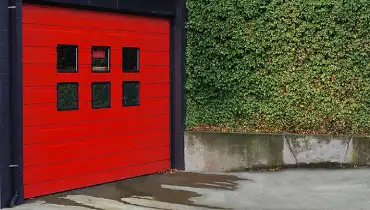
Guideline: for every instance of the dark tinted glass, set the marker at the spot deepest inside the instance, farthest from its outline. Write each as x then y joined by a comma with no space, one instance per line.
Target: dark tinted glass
67,96
131,93
100,95
100,59
130,59
67,58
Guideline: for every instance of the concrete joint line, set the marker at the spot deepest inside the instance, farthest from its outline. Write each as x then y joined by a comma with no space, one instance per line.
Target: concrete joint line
290,148
348,143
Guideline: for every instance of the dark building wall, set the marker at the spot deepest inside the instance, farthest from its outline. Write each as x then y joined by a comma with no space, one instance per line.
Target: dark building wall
16,104
10,100
4,99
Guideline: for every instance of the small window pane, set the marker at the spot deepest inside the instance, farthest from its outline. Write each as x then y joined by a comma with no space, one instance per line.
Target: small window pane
100,95
100,59
67,96
67,58
130,59
131,93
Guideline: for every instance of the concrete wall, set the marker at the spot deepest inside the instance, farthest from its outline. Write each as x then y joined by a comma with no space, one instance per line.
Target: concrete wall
211,151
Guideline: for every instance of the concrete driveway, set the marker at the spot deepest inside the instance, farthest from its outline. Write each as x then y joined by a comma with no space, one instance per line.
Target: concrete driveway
282,190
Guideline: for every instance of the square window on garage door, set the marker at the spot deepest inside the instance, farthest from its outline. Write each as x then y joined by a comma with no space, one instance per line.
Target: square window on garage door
67,56
130,59
67,96
131,93
100,59
100,95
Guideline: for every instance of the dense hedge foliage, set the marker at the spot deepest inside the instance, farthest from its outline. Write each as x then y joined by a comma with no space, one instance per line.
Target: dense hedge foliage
279,65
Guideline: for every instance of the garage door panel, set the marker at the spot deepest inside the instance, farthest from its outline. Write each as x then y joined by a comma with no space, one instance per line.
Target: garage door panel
37,33
92,165
48,94
69,149
86,81
155,58
90,19
50,36
56,152
49,56
45,75
60,185
71,131
47,114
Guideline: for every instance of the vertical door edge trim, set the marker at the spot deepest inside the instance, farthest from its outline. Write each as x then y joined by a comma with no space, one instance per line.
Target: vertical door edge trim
177,100
17,107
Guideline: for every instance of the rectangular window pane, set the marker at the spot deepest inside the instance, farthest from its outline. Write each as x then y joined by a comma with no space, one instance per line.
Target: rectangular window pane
67,58
100,95
130,59
67,96
100,59
131,93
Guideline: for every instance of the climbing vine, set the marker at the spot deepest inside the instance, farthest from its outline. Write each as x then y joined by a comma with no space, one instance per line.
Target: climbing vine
299,66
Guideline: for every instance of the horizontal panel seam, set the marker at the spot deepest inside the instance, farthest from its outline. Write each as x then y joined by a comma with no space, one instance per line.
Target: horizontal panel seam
89,48
79,175
88,137
107,119
50,63
101,156
111,99
93,28
82,84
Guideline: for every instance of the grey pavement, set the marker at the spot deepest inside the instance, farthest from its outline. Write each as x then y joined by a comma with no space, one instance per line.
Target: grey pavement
309,189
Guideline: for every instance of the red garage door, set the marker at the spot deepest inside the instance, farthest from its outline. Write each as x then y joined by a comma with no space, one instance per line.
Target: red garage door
96,98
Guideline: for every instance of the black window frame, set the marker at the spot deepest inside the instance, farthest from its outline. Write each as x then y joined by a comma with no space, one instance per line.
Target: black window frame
109,95
77,95
137,60
138,93
77,57
109,58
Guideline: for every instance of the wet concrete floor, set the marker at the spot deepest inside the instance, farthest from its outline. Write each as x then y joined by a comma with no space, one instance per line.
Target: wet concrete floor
282,190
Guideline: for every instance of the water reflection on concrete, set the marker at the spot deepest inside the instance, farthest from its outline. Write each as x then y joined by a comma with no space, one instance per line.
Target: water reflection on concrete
149,188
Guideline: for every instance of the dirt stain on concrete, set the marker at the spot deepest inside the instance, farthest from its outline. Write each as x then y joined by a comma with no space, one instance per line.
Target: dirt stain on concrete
151,186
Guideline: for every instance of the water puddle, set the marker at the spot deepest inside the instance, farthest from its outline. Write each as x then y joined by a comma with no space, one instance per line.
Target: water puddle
150,188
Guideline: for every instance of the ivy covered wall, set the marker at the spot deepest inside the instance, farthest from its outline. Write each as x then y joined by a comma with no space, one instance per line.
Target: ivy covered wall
299,66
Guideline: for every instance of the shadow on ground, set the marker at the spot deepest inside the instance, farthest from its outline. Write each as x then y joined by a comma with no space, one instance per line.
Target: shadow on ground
151,186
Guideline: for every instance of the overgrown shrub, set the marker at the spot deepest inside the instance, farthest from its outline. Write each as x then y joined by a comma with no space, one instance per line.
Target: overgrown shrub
279,65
